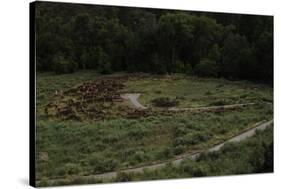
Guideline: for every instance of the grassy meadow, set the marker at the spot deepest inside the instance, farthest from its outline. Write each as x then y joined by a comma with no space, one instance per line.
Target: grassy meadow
195,92
71,147
254,155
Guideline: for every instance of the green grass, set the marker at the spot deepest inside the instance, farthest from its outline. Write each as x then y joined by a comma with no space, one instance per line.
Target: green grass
254,155
79,148
194,92
125,143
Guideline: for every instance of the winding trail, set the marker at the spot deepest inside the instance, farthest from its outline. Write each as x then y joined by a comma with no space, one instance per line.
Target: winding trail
133,97
212,107
176,161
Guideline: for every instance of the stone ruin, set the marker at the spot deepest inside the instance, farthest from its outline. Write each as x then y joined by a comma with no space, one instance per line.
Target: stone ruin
91,99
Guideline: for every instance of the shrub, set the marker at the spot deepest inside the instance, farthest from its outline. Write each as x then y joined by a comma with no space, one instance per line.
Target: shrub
167,152
100,164
195,138
203,136
105,68
137,134
92,58
179,149
158,92
94,160
178,67
158,65
164,102
96,57
71,168
140,156
123,177
188,68
110,164
268,164
214,53
206,68
194,168
111,138
63,65
179,131
179,141
61,171
220,102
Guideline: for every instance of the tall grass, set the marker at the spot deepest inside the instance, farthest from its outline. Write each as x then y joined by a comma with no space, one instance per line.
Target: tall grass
254,155
70,149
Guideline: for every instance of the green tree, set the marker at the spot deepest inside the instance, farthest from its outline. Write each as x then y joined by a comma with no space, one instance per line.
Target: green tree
151,40
206,34
235,55
264,55
206,68
81,36
104,65
174,30
63,65
214,53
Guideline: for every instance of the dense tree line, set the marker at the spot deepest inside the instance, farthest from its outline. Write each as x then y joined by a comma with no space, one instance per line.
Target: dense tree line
71,37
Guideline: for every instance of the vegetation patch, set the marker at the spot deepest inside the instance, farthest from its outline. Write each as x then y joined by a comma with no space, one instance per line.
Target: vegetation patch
164,102
110,136
255,154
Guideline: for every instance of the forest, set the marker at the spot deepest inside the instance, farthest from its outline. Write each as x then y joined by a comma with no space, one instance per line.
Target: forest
107,39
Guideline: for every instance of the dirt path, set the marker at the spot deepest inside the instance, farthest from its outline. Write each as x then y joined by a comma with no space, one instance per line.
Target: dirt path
133,97
179,159
211,107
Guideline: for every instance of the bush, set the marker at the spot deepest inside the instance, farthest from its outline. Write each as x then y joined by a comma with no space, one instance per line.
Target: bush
206,68
140,156
166,152
63,65
178,67
90,59
179,141
110,138
179,131
188,68
105,68
214,53
194,168
100,164
192,138
221,102
158,65
268,165
179,149
61,171
123,177
208,93
137,134
110,164
164,102
97,58
71,168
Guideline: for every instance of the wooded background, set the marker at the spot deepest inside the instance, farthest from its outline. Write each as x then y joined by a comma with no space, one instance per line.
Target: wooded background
71,37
